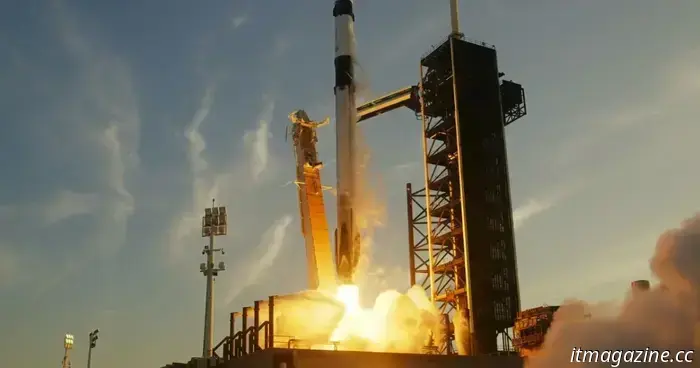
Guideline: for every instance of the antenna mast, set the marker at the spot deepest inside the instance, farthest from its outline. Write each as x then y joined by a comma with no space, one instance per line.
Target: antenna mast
454,18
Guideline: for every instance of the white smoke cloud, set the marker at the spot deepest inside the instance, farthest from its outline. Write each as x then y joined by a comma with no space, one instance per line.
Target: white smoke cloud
272,242
363,84
666,317
374,279
370,210
461,330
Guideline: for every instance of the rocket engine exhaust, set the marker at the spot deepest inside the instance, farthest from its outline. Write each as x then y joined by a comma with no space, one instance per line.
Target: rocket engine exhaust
347,236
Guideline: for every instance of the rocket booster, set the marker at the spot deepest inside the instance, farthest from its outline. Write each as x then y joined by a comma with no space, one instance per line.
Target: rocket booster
347,237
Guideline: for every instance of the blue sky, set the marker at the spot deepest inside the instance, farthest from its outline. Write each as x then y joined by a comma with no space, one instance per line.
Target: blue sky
122,119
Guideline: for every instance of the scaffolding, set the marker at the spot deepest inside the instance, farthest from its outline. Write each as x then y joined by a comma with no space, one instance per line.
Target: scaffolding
463,213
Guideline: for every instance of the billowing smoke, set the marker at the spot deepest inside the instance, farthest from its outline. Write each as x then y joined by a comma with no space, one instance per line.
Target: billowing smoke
461,330
370,207
396,323
370,210
292,316
665,317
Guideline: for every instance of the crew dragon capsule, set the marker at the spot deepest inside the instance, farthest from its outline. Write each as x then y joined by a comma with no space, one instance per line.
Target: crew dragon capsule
347,237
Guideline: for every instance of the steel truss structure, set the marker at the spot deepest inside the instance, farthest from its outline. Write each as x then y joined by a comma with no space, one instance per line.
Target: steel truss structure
460,223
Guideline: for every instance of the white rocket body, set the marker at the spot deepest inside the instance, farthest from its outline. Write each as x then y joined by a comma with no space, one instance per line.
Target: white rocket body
347,235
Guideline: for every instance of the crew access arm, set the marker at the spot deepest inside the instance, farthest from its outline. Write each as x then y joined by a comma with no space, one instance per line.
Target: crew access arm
513,100
314,225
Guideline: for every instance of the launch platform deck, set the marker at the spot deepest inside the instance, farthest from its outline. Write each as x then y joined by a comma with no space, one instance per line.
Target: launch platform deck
285,358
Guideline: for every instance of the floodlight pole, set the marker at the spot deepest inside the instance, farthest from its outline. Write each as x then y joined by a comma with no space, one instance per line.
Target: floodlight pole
209,309
66,359
93,343
67,345
213,224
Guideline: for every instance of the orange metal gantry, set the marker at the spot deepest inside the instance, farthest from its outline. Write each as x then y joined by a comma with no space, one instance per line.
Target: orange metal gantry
314,224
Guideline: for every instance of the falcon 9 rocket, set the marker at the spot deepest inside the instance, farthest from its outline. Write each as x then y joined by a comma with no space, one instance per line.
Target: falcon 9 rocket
347,236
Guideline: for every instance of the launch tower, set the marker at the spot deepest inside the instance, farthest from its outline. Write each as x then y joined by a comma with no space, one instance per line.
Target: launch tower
467,257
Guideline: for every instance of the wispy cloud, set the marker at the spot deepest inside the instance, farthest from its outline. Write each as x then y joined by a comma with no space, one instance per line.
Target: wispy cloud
540,204
271,243
257,141
187,223
679,85
109,84
109,91
203,189
239,20
196,143
224,182
99,113
67,204
119,203
531,208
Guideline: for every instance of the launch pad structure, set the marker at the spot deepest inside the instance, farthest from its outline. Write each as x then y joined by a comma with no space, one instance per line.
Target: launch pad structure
464,107
460,226
462,248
